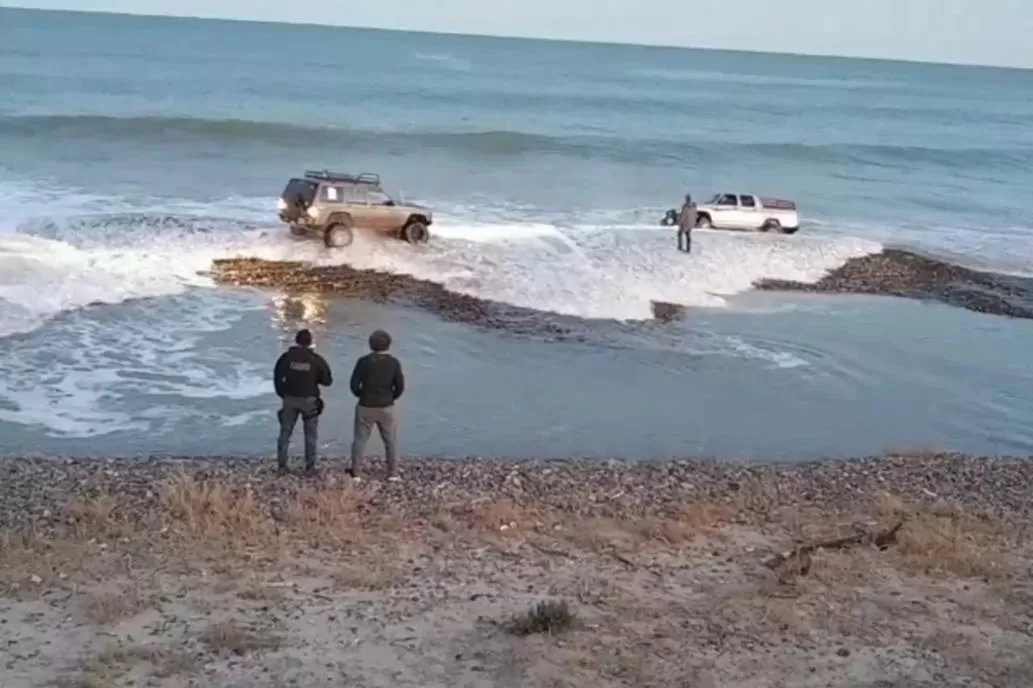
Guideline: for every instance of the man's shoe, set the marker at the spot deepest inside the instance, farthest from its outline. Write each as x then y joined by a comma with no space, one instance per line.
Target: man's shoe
353,475
282,470
311,471
394,479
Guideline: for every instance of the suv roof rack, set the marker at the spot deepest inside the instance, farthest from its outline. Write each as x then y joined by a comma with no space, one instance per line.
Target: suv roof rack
342,177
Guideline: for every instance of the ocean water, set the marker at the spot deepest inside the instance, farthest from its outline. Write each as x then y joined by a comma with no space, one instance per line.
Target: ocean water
135,150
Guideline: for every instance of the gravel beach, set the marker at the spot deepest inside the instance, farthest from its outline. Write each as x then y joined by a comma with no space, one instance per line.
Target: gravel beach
31,488
891,571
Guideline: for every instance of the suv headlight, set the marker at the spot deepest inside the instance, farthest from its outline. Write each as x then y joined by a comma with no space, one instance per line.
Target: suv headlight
312,212
281,204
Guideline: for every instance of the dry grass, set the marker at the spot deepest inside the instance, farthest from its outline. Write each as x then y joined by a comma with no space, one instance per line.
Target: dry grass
374,570
548,618
110,608
214,513
946,539
115,662
327,516
685,526
229,638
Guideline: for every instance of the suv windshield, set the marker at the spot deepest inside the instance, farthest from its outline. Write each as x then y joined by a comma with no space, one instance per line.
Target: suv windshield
300,190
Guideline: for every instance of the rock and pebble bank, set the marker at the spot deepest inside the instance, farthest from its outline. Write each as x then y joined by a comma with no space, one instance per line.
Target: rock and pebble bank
891,272
34,491
895,272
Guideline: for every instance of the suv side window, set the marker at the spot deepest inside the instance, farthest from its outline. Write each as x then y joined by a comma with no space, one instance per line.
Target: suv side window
747,202
377,197
334,194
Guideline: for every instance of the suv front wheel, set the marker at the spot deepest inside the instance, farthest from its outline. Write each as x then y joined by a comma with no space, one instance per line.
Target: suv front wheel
415,232
338,235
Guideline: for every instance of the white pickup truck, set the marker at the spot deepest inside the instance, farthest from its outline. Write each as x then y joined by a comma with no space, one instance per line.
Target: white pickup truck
744,212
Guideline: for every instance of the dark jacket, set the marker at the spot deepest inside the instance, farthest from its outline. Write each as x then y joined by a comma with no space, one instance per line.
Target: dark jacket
299,372
687,216
377,380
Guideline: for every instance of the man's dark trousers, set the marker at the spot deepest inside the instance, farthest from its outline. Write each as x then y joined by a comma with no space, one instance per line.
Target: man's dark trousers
308,408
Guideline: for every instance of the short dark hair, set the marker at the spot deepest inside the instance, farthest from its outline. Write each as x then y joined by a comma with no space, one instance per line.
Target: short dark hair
380,341
303,338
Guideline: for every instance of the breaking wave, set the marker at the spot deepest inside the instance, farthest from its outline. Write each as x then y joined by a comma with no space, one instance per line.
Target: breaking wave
495,143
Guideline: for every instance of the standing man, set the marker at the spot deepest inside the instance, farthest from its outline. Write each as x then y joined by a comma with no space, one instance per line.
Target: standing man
377,381
686,222
297,376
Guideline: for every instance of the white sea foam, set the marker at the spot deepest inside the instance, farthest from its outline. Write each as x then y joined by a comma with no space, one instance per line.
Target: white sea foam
62,261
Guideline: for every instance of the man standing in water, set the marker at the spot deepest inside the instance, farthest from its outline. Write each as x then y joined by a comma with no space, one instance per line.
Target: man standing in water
686,222
297,376
378,382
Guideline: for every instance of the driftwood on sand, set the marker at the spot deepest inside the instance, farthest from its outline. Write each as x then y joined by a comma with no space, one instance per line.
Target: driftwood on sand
799,558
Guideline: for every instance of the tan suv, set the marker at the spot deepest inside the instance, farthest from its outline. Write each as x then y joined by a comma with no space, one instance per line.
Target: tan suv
333,205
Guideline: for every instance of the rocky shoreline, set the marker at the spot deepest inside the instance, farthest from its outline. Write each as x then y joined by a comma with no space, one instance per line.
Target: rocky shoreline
34,490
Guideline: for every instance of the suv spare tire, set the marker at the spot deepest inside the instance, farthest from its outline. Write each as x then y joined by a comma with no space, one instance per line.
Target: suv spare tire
415,232
338,235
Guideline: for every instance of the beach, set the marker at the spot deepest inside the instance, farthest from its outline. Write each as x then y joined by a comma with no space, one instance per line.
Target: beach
852,400
906,570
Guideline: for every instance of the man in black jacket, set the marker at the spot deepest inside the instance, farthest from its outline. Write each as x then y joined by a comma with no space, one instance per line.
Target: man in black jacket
298,374
378,382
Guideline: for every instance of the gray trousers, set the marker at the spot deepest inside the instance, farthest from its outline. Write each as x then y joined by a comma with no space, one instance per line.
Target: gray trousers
292,408
685,232
384,419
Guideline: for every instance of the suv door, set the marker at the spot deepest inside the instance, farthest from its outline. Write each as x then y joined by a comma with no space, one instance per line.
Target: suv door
358,206
383,213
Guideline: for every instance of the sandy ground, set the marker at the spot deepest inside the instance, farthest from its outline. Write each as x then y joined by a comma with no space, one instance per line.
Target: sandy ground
236,578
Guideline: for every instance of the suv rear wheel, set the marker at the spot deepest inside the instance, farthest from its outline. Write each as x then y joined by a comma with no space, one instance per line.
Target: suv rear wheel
415,232
338,235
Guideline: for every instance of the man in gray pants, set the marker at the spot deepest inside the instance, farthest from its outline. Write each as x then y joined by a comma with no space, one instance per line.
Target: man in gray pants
297,376
378,382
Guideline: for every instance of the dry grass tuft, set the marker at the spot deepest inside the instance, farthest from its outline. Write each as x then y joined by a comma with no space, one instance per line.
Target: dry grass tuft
214,513
108,609
947,539
327,516
98,516
230,638
549,618
500,515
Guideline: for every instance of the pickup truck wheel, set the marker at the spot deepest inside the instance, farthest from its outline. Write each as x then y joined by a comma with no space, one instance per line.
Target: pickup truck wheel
703,222
772,226
415,233
338,235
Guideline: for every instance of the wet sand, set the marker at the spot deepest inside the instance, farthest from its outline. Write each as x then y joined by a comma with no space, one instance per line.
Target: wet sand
673,573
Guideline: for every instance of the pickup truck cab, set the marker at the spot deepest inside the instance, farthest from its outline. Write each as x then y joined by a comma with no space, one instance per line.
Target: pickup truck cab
745,212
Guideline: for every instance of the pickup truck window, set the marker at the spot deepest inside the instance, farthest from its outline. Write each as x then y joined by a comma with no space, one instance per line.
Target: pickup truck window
747,201
727,199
